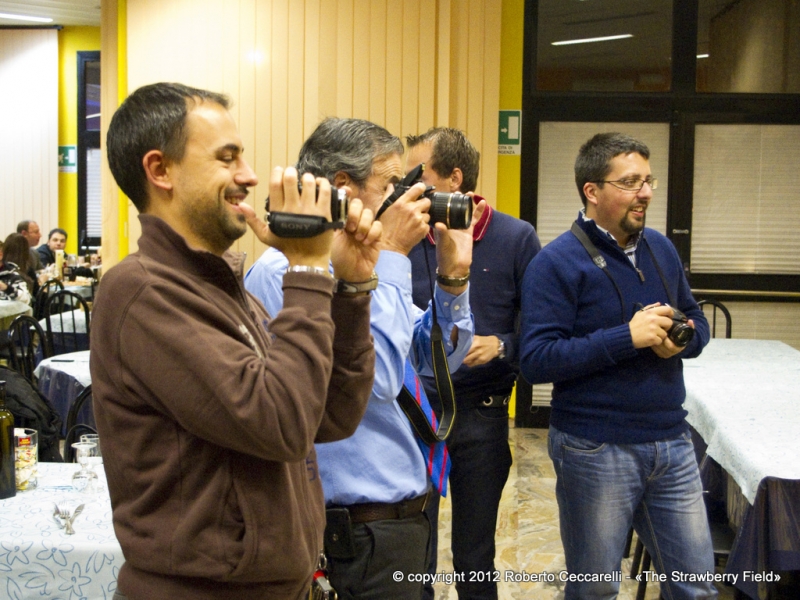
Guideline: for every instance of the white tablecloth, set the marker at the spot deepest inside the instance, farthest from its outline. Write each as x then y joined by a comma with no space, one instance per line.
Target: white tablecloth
39,560
67,318
743,398
12,308
75,364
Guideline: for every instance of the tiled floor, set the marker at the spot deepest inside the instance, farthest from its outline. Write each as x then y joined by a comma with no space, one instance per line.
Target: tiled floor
528,540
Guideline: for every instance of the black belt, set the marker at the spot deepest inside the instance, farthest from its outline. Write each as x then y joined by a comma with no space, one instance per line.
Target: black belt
495,401
380,511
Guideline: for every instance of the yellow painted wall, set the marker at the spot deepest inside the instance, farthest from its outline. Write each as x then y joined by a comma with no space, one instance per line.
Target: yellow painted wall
511,49
71,40
508,167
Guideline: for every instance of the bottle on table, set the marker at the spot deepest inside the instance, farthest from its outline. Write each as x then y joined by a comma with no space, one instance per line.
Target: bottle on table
8,479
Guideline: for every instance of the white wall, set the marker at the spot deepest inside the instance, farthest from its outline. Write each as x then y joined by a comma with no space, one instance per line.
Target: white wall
28,127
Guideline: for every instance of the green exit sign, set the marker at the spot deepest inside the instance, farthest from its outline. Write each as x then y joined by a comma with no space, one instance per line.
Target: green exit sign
509,132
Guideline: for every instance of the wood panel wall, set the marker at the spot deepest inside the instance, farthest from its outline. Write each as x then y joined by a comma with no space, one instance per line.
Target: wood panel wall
28,128
286,64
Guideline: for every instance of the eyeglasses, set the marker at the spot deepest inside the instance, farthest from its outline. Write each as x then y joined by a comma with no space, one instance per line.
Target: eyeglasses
632,185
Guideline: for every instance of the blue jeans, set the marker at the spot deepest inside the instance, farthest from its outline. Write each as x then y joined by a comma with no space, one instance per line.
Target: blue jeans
480,462
602,489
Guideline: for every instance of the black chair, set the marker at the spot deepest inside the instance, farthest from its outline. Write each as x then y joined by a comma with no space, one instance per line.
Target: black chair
717,307
45,291
27,345
63,313
80,421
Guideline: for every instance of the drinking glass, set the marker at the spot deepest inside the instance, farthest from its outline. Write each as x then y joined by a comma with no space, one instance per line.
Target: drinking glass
84,479
26,457
95,455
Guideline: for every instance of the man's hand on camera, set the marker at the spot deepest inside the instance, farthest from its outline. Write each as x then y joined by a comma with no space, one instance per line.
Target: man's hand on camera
356,247
454,249
649,328
405,222
285,197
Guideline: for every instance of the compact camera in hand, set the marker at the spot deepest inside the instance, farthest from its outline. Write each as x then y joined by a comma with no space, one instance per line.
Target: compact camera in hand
453,209
291,225
681,333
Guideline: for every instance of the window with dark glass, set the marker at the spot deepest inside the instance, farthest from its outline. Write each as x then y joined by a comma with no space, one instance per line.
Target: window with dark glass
89,157
595,46
748,46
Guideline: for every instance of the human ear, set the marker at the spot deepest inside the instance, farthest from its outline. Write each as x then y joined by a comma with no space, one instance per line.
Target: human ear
590,191
456,179
342,179
155,167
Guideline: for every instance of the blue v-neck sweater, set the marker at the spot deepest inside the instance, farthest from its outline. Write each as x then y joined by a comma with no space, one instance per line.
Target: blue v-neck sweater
573,335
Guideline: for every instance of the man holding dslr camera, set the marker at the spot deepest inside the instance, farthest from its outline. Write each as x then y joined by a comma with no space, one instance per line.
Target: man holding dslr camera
597,322
376,482
207,407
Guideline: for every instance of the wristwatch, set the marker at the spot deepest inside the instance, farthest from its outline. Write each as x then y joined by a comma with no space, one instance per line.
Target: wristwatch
350,287
501,350
451,281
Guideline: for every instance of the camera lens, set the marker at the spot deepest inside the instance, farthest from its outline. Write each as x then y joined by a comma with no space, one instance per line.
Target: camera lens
454,210
680,333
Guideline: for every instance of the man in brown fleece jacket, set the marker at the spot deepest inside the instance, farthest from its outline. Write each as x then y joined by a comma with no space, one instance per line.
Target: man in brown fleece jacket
207,407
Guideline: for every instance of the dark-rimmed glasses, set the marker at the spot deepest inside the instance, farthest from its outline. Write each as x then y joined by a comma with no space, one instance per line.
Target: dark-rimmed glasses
631,184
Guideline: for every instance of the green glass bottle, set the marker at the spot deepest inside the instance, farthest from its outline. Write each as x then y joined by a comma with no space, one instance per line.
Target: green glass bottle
8,479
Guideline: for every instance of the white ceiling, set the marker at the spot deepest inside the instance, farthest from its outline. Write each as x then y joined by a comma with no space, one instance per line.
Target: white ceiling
63,12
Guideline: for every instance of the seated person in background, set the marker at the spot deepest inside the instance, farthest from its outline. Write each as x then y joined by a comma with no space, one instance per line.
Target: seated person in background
32,234
57,240
208,407
14,285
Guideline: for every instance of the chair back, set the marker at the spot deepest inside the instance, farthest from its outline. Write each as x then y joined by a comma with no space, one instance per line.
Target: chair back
717,308
80,421
45,291
67,318
27,345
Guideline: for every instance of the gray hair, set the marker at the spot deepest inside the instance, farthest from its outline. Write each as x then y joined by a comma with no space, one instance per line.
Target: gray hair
347,145
595,156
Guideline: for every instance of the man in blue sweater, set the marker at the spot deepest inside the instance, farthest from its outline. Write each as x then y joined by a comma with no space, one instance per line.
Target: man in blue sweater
603,334
478,444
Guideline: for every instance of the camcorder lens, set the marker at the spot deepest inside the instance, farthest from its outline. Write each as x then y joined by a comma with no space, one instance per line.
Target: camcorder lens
454,210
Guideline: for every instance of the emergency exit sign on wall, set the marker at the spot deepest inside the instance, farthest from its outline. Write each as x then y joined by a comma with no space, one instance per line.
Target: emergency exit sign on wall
509,132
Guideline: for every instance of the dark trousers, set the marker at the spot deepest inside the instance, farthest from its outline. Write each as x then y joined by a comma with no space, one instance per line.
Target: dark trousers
390,557
480,463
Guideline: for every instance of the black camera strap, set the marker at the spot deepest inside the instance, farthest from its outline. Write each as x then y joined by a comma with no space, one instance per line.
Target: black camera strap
444,387
600,261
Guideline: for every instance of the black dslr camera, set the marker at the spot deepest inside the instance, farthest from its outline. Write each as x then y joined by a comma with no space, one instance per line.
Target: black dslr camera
454,209
681,333
290,225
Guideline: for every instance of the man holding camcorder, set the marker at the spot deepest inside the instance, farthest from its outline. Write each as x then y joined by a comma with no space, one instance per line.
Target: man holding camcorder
376,482
597,322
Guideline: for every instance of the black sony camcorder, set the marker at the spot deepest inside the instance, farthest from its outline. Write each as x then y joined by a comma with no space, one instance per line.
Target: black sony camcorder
453,209
681,333
292,225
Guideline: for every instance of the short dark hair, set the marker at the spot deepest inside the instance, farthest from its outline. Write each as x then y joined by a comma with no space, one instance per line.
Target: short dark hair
23,225
57,230
347,145
450,148
595,156
151,118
